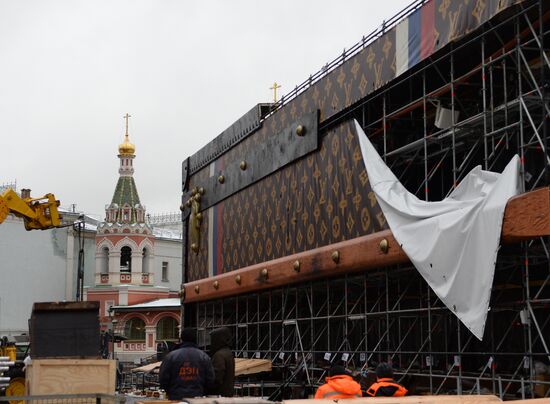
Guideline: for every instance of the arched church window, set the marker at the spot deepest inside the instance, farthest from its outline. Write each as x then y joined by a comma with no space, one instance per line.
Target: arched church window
134,329
125,259
167,329
104,260
145,262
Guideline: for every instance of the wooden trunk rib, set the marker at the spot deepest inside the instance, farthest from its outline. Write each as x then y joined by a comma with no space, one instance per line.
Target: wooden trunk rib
527,216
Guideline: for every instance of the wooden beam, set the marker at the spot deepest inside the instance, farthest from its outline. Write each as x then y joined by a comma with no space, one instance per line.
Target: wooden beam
527,216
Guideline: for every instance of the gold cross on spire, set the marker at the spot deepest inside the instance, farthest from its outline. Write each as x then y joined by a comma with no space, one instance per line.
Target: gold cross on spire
274,88
126,117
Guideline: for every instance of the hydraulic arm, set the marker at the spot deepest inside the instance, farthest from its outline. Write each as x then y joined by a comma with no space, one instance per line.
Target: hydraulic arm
38,213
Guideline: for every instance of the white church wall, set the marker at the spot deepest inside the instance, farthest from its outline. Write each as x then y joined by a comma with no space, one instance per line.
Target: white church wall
168,251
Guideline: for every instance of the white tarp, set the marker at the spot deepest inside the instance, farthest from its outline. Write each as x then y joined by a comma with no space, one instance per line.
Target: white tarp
453,243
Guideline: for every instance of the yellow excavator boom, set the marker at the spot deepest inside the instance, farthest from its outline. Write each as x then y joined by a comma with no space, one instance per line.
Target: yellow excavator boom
38,213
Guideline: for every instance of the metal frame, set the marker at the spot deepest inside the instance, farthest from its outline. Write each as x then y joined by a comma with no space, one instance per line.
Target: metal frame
497,81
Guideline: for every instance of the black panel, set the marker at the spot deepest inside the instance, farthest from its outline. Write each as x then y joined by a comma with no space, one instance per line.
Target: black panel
242,128
65,329
278,151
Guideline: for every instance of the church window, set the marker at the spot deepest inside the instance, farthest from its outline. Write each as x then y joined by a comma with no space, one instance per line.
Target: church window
146,260
104,260
165,271
125,259
167,329
134,329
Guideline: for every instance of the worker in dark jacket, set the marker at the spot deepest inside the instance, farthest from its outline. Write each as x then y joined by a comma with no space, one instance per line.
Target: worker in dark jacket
385,386
223,362
339,384
187,371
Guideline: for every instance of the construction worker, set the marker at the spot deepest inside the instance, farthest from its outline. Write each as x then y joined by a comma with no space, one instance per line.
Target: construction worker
186,372
339,384
223,362
385,386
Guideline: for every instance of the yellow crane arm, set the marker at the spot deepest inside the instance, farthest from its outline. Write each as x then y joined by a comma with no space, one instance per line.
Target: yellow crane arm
38,213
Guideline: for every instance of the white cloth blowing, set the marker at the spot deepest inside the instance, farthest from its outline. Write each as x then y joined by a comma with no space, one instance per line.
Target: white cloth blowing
453,243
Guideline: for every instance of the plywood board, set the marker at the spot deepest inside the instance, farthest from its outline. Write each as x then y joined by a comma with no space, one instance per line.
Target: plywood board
70,376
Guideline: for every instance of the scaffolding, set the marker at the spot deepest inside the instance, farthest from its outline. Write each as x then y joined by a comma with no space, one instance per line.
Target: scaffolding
493,85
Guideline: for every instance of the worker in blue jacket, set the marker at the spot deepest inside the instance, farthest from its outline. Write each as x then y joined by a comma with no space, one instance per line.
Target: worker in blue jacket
186,372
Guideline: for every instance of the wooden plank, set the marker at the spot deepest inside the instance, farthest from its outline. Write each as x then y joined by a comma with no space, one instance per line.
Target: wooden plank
251,366
466,399
228,400
526,216
70,376
242,366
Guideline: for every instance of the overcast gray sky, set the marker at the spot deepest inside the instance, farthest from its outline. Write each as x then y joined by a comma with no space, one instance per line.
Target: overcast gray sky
184,70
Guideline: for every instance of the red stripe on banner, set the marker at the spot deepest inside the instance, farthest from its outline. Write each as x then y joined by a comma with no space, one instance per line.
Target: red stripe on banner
218,269
427,41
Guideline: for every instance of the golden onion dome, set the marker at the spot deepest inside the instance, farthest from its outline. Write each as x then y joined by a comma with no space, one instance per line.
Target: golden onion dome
126,147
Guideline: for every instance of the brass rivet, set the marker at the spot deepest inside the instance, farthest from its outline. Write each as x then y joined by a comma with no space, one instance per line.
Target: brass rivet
182,293
197,289
296,266
300,130
216,285
199,216
238,279
384,246
336,256
195,247
201,191
264,273
197,197
243,165
189,202
194,191
221,179
182,207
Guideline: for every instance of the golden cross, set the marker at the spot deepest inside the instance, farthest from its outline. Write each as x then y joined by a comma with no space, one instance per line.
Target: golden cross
126,117
274,88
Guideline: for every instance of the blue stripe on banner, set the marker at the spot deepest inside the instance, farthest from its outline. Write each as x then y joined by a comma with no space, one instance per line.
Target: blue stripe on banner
414,38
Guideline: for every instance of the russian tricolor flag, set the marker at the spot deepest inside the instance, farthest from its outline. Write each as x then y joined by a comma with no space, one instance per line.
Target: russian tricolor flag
415,38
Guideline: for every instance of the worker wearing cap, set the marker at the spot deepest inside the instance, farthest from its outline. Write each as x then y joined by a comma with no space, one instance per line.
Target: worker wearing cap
385,386
339,384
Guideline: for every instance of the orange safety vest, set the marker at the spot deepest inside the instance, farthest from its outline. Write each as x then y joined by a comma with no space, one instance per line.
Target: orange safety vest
340,386
387,382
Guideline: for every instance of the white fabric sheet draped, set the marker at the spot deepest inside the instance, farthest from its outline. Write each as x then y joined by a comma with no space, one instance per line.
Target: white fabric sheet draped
453,243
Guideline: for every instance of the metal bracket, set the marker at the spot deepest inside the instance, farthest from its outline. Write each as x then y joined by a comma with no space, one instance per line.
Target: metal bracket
194,205
295,141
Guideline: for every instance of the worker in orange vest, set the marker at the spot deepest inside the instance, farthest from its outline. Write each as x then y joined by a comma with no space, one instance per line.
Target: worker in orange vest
339,384
385,386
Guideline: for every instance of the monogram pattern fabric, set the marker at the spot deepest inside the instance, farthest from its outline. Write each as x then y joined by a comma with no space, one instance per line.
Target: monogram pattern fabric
318,200
325,197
